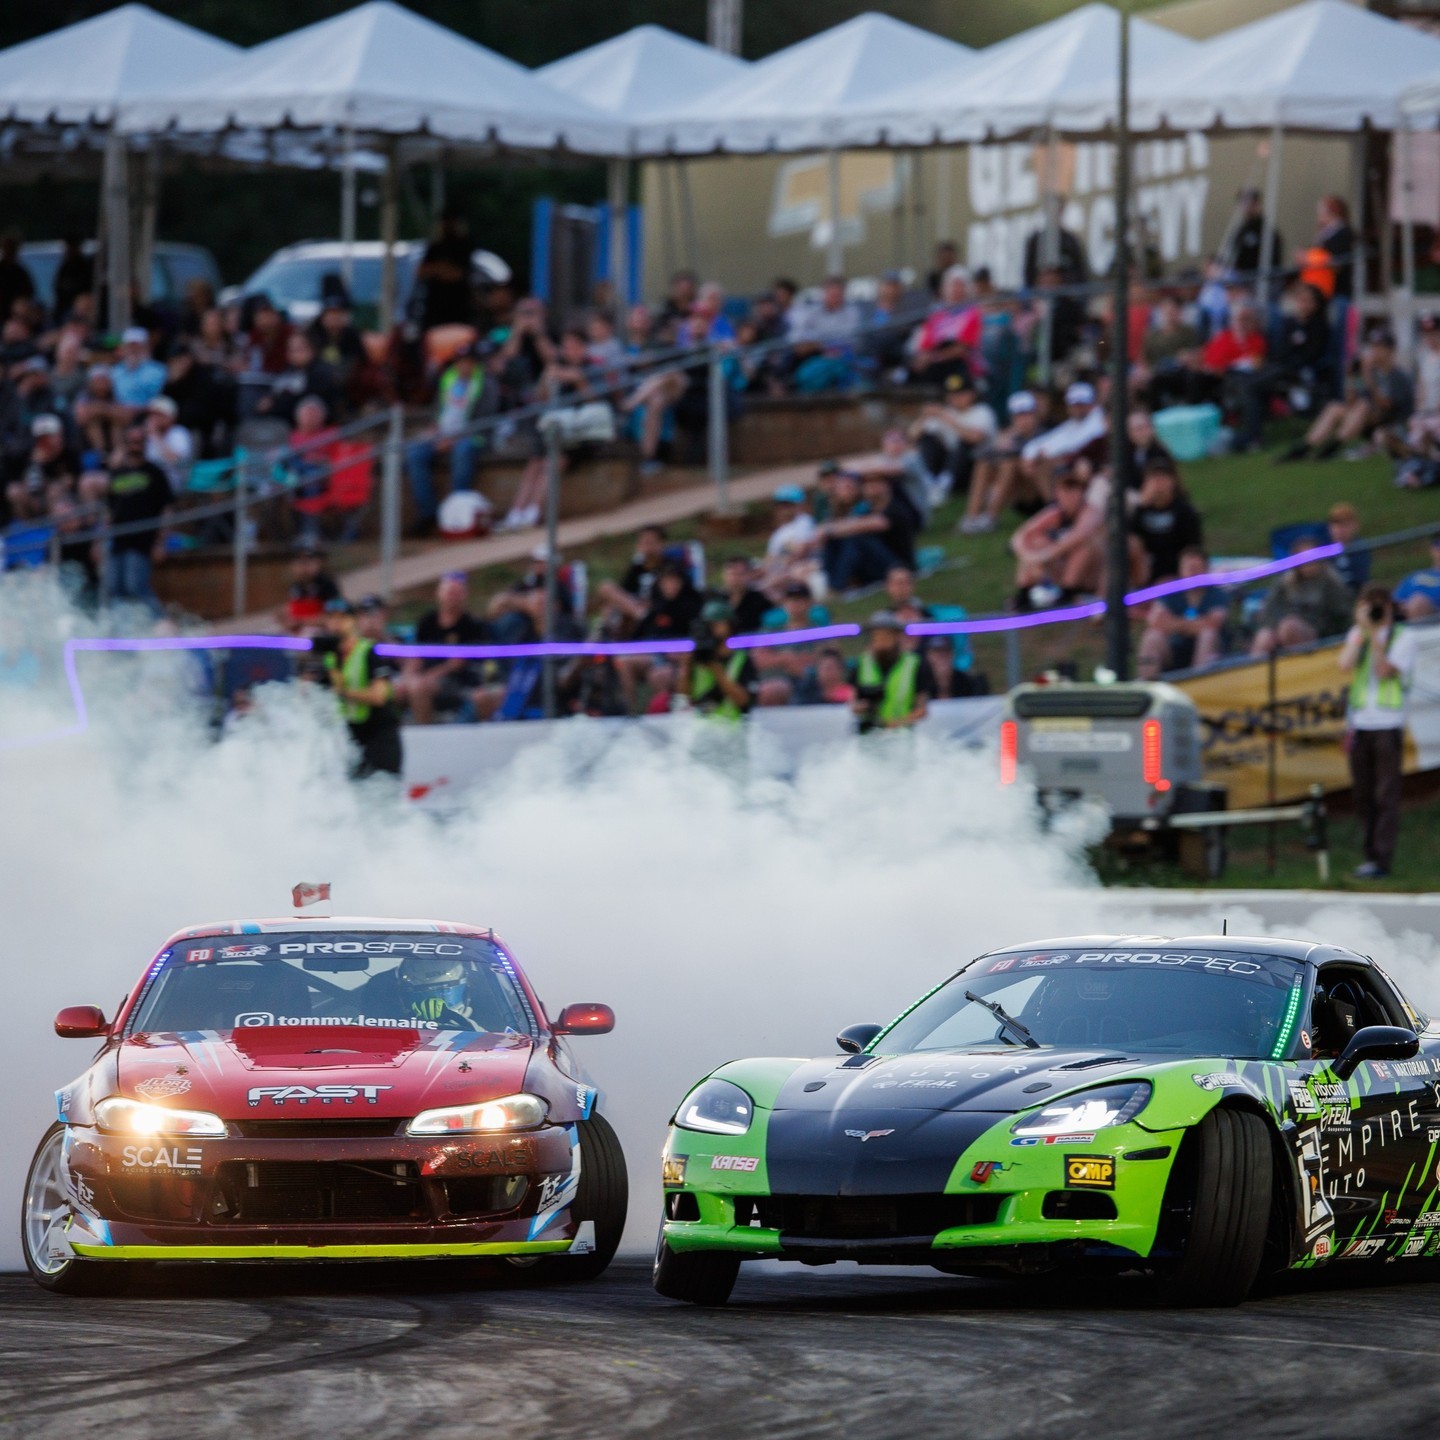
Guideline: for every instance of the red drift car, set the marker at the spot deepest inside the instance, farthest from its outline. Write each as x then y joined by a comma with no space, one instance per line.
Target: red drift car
331,1090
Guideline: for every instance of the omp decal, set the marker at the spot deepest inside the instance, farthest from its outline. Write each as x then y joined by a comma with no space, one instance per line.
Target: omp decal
1089,1172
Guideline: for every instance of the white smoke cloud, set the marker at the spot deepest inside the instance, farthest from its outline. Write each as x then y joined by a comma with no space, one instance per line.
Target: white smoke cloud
721,917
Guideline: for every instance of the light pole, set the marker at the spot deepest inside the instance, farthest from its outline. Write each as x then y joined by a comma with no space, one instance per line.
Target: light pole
1117,628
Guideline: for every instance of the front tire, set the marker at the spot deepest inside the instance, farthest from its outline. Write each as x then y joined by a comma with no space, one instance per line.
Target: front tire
704,1277
1226,1180
45,1210
602,1197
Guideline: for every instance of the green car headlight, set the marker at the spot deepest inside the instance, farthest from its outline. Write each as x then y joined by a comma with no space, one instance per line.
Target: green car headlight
716,1107
1086,1112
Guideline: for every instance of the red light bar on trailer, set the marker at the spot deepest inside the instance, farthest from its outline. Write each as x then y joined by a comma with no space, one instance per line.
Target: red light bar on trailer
1009,751
1151,741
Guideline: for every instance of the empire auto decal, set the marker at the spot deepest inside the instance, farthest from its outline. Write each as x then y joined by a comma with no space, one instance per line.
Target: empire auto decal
325,1094
1354,1145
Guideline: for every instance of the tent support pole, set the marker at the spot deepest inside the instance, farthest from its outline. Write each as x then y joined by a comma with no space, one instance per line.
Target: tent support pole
389,216
1117,622
835,252
619,183
149,205
1050,248
1272,204
664,183
117,232
347,211
687,218
944,163
1402,321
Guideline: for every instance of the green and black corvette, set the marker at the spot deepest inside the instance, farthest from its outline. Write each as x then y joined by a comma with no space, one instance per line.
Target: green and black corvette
1204,1108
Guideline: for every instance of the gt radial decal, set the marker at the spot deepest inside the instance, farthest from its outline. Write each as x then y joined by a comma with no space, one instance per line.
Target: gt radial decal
557,1191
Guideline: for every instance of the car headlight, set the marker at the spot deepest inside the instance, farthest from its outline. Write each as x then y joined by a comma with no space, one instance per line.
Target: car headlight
717,1107
1086,1112
121,1116
510,1112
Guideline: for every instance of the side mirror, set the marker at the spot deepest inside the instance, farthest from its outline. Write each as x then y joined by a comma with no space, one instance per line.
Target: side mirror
587,1019
1375,1042
854,1038
81,1022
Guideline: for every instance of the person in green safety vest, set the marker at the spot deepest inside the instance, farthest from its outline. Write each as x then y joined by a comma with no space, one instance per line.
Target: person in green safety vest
364,685
892,686
1379,657
717,681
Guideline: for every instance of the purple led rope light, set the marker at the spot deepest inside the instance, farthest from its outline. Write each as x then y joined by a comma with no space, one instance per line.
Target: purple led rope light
559,649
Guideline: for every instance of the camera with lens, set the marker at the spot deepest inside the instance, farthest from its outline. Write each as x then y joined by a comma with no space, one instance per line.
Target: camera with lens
324,644
1377,611
707,643
869,698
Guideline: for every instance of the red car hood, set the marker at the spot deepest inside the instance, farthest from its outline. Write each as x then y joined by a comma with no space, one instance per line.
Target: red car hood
348,1071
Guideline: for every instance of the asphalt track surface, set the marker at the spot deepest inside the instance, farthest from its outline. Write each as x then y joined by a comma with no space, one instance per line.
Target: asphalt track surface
406,1352
439,1351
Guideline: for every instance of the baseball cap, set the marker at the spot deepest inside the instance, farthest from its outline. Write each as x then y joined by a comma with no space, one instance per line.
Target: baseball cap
1022,402
134,335
35,365
368,604
789,495
716,611
959,381
1080,393
46,425
339,606
885,620
311,548
458,576
164,405
797,590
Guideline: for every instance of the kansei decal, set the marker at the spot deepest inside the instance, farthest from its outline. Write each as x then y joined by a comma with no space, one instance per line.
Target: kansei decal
734,1162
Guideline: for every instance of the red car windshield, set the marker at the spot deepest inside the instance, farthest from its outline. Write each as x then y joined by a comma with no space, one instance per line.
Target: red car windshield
406,980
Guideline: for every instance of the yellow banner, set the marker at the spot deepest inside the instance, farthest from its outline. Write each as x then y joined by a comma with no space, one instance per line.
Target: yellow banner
1308,713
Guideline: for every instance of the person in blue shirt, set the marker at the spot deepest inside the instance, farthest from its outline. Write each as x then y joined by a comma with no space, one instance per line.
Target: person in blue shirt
136,376
1417,596
1186,628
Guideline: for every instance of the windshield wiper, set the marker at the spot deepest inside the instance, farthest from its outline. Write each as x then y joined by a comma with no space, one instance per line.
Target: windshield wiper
1006,1019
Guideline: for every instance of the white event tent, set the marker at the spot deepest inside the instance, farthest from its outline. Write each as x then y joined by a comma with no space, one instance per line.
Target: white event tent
645,73
1020,85
803,97
59,95
381,77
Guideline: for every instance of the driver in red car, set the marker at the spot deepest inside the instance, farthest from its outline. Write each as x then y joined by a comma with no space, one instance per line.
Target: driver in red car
434,989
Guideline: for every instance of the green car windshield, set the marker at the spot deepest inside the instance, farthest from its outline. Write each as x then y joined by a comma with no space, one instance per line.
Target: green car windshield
1178,1002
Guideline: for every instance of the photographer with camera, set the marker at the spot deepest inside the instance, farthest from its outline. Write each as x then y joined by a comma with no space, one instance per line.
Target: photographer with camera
1379,657
718,682
364,686
892,687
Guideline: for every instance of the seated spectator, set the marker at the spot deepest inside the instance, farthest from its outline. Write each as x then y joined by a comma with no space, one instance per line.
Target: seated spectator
1417,596
213,344
67,374
463,395
937,653
1309,603
1067,315
49,469
948,343
1418,450
675,605
566,377
1187,628
1353,567
27,397
311,459
868,536
1378,402
1083,434
746,604
791,545
338,345
1058,552
893,316
604,353
443,687
264,348
832,679
137,378
630,595
823,339
204,400
1235,359
892,687
304,374
950,435
1169,358
661,677
900,592
168,444
1162,524
1300,366
1145,448
312,588
994,482
793,662
98,415
680,296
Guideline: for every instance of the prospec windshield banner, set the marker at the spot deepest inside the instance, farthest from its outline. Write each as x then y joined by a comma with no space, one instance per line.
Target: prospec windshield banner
1244,965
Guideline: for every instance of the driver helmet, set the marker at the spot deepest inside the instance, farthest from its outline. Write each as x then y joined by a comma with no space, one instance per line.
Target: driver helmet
432,984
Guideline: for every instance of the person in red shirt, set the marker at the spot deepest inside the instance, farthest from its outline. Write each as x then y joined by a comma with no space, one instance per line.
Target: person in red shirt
1235,357
948,343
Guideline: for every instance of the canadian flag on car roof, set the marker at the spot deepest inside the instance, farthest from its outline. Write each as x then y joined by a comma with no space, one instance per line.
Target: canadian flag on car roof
304,895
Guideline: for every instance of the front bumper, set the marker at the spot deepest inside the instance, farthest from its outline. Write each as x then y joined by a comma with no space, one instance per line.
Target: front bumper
1004,1204
317,1198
